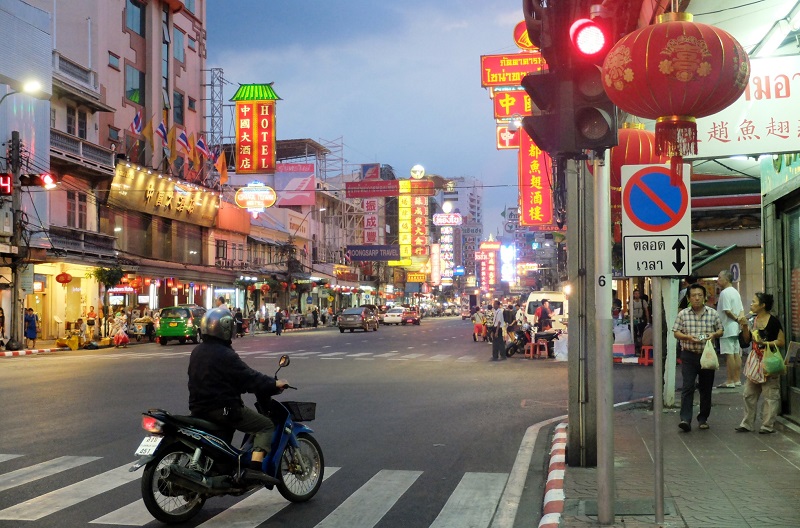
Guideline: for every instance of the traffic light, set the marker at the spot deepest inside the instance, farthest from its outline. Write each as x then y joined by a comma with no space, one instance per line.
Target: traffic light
591,39
550,129
37,180
595,116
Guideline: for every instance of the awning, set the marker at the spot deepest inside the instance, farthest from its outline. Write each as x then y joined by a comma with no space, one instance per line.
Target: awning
82,97
267,241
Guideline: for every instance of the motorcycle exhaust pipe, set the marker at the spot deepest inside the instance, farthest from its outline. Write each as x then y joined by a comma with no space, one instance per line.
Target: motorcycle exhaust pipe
194,481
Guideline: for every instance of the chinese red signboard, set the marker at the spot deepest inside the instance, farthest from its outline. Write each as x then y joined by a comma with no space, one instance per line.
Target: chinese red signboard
384,188
508,70
255,137
507,139
535,184
510,103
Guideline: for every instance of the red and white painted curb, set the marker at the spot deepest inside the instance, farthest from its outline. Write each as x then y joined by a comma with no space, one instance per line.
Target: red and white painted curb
15,353
554,488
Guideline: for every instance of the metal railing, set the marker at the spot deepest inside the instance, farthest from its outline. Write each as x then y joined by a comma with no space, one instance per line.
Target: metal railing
81,151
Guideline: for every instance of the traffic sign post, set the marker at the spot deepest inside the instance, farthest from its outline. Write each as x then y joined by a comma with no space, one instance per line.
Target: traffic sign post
656,222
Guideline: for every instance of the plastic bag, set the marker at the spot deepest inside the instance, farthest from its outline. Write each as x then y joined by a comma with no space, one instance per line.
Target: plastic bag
772,361
752,369
708,360
622,335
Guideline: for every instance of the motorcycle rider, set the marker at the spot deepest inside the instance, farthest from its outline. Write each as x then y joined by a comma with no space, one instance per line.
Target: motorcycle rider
218,377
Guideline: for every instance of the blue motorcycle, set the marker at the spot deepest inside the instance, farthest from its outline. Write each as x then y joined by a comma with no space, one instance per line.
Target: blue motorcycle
186,460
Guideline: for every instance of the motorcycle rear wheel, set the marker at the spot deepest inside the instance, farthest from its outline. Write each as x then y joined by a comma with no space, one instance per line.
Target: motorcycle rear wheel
511,349
165,501
301,470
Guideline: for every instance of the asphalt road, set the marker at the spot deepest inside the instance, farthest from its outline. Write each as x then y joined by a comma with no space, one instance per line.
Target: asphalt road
417,426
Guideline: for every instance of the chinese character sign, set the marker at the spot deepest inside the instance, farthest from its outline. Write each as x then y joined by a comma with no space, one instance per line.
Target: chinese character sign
371,221
535,184
255,137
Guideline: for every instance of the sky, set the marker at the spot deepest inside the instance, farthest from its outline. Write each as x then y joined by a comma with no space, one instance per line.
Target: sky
398,82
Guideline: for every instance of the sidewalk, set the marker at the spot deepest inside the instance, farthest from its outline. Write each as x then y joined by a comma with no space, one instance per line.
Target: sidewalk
46,346
712,478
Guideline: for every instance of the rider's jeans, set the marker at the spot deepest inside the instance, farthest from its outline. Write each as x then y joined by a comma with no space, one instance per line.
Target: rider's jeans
247,421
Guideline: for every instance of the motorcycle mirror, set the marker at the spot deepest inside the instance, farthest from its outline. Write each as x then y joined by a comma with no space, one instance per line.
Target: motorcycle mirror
283,362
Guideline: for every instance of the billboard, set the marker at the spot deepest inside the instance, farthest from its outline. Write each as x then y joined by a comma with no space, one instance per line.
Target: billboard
295,184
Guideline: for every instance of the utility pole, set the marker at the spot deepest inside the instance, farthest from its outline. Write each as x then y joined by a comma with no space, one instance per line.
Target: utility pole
16,332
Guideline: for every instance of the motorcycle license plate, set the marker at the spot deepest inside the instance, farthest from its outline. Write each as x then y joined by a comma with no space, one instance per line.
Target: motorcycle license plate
148,445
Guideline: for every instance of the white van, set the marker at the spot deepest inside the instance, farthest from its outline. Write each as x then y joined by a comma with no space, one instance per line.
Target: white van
559,311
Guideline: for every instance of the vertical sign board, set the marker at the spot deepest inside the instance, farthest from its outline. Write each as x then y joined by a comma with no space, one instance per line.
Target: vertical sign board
535,188
255,137
656,222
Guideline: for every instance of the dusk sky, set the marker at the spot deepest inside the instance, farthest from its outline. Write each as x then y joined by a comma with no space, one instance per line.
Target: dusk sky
399,82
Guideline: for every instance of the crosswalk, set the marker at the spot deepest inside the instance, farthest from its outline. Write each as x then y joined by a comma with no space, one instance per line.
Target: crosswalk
472,503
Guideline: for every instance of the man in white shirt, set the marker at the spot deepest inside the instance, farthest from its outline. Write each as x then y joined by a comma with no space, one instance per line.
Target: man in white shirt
729,308
498,343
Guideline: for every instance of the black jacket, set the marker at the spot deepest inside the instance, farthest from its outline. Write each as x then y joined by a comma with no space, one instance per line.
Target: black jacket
218,377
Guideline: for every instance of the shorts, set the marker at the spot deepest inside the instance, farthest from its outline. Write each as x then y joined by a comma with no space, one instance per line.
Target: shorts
729,345
477,329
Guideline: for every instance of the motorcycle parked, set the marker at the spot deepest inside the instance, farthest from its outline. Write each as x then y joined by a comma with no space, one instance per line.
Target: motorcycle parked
188,459
521,337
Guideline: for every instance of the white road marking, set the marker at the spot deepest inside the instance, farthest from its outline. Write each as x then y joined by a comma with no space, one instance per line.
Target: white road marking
473,502
42,470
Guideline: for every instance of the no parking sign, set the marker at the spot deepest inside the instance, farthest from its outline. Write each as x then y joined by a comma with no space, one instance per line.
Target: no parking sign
656,221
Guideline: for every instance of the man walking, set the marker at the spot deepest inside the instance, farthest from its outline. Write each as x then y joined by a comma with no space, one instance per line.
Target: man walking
729,309
498,343
693,327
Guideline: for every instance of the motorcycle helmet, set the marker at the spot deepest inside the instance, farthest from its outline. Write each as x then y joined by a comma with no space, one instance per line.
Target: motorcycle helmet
218,323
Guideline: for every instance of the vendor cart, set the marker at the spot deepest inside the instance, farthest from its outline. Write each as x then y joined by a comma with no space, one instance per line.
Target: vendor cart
139,329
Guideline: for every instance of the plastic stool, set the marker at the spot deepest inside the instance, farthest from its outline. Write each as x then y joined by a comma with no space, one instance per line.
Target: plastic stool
647,356
541,348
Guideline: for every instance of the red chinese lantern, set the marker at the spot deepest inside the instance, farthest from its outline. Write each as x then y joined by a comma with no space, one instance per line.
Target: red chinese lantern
251,288
170,283
284,285
313,284
264,288
63,278
675,71
294,286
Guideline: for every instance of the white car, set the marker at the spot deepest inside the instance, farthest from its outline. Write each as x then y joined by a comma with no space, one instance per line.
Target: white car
393,316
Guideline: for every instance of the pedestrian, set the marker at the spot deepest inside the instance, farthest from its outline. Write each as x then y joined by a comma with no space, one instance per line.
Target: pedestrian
2,325
693,327
315,317
239,321
730,310
766,330
31,323
640,314
91,321
541,317
519,316
221,302
498,343
478,328
278,322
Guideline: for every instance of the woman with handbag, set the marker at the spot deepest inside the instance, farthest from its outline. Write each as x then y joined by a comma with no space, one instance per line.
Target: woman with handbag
765,333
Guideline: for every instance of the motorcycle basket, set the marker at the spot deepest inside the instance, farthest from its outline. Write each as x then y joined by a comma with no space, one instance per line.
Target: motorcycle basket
301,411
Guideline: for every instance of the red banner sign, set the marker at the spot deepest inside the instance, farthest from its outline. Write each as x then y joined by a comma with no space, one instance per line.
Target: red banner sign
255,137
535,184
508,70
507,139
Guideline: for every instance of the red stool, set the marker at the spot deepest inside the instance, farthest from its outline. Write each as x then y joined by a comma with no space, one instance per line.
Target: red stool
541,348
647,356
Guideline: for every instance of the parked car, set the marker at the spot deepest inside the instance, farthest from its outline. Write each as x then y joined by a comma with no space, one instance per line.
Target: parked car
181,323
360,317
410,317
393,316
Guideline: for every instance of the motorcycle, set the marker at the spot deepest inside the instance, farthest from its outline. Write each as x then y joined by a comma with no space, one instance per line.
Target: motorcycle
187,460
521,337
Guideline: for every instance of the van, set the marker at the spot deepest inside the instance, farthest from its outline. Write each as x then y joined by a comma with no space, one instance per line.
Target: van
559,311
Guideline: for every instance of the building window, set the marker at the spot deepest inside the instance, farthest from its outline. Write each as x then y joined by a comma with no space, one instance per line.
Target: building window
177,45
177,108
71,120
222,250
192,44
113,60
134,85
134,16
180,167
189,5
81,124
76,210
192,104
113,133
240,252
52,117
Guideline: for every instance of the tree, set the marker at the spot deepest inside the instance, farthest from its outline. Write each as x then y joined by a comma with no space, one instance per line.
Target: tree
108,278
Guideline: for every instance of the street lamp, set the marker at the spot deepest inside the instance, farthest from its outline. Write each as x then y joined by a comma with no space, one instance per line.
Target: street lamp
15,330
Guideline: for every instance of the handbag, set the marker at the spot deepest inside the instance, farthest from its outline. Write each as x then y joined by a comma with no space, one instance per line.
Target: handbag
753,369
708,360
773,361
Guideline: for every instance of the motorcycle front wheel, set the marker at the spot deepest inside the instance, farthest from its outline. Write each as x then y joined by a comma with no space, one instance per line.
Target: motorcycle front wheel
301,469
511,349
164,500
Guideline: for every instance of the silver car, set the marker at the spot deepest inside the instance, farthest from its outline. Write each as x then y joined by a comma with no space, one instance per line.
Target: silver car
362,318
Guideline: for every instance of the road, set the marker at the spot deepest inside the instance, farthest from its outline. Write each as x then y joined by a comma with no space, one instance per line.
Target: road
417,426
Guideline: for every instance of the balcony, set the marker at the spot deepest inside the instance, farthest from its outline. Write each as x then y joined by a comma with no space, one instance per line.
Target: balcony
81,241
77,83
72,154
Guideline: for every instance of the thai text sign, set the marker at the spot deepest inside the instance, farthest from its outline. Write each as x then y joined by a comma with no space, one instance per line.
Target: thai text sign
508,70
255,137
386,188
535,190
447,219
413,276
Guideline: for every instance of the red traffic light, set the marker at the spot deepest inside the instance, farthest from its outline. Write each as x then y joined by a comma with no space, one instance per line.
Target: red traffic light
48,181
589,38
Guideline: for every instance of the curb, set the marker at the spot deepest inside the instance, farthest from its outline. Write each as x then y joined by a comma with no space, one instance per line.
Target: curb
16,353
554,489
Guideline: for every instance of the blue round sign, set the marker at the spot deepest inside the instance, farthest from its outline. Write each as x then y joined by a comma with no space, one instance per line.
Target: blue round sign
653,204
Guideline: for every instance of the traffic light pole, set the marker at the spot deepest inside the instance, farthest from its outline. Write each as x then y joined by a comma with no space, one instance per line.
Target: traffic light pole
15,330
